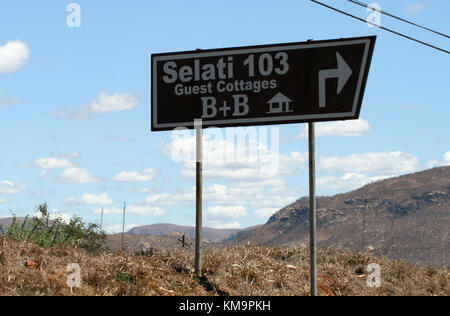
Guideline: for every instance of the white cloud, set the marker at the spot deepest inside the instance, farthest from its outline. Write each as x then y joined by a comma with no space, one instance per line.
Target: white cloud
437,163
156,197
133,209
253,187
246,194
90,199
109,211
265,212
127,188
224,225
72,173
115,229
432,164
102,104
414,8
250,194
9,187
2,201
13,55
113,102
78,175
447,158
347,182
255,182
146,210
56,214
349,128
53,163
381,163
135,176
235,161
186,197
226,212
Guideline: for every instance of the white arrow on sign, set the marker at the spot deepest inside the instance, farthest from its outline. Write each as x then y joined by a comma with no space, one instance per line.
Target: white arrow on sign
342,73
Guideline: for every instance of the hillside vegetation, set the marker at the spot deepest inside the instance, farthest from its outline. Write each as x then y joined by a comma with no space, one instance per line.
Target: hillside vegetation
208,234
147,242
46,233
405,217
28,269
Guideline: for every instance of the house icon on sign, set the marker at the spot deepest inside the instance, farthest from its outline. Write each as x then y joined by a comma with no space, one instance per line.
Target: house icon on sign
279,104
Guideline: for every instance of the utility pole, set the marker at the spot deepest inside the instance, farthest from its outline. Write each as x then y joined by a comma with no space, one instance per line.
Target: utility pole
198,219
123,224
101,220
312,208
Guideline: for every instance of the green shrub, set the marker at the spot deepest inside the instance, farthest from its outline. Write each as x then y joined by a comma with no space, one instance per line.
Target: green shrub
46,233
124,277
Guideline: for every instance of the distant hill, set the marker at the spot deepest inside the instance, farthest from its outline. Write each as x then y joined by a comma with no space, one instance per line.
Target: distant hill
6,222
208,234
406,217
145,242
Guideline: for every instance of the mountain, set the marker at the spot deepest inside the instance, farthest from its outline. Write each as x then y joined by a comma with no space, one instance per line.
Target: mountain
208,234
146,242
406,217
6,222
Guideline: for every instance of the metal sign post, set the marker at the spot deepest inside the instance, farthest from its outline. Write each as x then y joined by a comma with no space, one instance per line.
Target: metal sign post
312,208
198,212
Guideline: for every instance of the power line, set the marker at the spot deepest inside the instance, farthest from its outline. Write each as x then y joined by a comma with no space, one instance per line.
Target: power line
398,18
381,27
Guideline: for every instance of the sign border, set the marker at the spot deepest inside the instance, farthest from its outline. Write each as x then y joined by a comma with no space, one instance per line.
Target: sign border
369,42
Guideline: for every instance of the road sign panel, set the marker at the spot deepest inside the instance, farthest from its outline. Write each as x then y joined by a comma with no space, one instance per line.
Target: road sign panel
270,84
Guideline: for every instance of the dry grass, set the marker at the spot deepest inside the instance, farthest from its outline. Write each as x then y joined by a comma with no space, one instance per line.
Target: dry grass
228,271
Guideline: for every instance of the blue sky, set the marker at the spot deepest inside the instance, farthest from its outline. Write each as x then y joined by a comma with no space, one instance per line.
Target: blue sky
75,108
